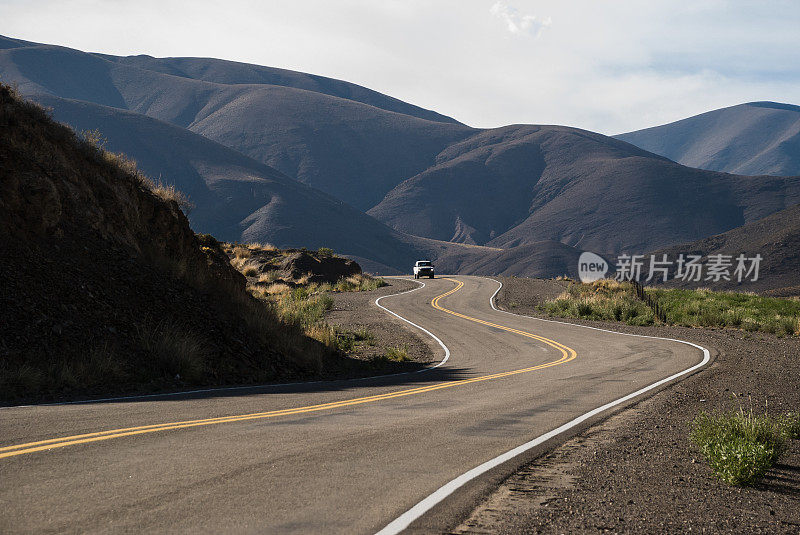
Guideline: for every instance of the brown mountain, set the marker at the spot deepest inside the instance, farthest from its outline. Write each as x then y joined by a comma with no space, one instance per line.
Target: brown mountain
346,140
776,238
236,198
757,138
417,171
525,184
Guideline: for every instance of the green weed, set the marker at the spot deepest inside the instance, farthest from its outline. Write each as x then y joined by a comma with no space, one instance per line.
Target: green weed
741,446
397,354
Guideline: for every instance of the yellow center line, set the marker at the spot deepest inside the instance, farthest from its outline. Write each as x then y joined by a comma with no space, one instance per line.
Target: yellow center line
567,354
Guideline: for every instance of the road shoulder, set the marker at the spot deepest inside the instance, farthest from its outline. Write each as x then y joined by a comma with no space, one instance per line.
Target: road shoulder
638,472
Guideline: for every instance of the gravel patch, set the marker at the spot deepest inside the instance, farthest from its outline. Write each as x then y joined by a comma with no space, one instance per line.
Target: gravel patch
356,311
637,471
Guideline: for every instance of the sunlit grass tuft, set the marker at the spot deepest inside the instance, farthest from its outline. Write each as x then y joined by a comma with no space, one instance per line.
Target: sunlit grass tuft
741,446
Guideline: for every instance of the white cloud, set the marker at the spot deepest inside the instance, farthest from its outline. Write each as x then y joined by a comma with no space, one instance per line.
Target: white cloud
519,24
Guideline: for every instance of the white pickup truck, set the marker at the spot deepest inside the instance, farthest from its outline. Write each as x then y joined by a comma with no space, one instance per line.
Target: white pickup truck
423,268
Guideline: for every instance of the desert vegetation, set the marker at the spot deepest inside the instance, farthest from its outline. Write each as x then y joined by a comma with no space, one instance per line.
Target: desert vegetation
304,306
747,311
300,298
96,142
741,446
617,301
601,300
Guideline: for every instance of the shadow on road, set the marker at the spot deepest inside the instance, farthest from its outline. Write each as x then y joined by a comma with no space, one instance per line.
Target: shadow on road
410,379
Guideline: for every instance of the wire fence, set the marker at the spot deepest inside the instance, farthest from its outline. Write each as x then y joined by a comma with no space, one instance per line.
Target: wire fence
649,301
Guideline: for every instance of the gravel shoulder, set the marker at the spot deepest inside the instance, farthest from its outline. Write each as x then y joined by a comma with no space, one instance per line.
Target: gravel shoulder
356,311
637,470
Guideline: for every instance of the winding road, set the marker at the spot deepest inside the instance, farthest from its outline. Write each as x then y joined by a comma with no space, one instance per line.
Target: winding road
415,451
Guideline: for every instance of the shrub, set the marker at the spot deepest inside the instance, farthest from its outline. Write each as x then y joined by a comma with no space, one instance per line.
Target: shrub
363,335
249,270
174,350
739,447
94,138
397,354
359,283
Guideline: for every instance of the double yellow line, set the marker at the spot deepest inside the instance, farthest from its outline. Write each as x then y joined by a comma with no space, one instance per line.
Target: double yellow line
567,354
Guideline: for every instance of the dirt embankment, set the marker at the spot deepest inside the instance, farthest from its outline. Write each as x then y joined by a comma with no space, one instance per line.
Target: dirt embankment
638,473
356,312
105,289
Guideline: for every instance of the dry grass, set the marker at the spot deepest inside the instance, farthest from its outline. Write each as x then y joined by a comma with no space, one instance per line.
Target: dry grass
249,270
259,246
175,350
398,354
301,304
359,283
170,194
166,192
602,300
613,300
278,288
269,277
242,252
93,368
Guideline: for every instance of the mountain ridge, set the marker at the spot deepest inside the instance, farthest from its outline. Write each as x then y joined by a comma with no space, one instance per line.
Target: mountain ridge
754,138
531,183
235,197
423,180
352,150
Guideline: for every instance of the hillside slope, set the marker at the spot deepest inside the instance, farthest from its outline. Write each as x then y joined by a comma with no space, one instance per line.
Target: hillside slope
519,185
757,138
105,288
776,238
350,142
234,73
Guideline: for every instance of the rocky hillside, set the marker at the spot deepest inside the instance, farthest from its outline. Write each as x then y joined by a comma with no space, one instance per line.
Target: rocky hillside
105,288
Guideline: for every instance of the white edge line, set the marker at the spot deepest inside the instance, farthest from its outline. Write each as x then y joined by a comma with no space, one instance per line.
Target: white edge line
423,329
267,385
405,520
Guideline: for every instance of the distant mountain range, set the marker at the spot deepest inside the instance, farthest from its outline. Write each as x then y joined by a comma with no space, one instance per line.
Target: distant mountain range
758,138
235,197
343,139
520,185
294,159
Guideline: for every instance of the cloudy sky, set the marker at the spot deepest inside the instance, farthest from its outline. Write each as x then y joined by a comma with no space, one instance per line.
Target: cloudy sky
608,66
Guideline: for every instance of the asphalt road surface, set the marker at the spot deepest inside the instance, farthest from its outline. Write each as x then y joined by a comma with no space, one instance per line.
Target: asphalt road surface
330,457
